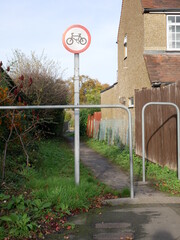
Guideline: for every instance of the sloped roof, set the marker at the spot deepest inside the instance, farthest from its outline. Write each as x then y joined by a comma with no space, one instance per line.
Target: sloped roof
106,89
163,67
161,4
7,78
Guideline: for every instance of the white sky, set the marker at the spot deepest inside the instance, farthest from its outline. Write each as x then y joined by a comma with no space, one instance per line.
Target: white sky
38,25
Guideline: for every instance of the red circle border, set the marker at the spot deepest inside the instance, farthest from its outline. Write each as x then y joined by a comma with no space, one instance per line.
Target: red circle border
77,51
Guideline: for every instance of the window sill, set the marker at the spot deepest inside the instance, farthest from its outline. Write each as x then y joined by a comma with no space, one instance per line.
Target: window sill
173,50
132,106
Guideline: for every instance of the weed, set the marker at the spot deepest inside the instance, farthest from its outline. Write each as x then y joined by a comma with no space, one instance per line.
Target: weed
48,189
2,233
125,193
19,225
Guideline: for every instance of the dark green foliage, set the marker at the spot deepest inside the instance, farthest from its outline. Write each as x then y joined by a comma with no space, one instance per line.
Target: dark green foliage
83,121
84,118
54,127
46,188
125,193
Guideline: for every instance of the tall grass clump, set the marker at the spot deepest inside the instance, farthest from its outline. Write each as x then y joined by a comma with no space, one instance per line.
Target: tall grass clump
54,179
47,194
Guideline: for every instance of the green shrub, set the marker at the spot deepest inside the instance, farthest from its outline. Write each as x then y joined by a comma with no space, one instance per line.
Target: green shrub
83,121
84,118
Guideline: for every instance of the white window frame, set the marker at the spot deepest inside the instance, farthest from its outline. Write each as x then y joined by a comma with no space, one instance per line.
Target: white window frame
131,102
167,30
125,46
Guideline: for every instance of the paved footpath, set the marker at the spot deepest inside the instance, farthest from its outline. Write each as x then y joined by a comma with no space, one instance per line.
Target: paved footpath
151,215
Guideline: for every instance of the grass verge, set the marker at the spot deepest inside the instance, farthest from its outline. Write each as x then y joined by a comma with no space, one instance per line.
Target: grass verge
161,177
46,194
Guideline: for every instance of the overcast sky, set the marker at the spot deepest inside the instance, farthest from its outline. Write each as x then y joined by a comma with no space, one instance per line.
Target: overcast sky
38,25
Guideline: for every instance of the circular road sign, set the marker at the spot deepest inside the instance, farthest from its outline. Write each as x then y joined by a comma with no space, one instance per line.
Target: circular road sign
76,39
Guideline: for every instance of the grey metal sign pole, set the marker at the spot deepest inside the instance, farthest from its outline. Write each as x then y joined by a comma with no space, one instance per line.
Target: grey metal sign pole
76,118
76,39
143,133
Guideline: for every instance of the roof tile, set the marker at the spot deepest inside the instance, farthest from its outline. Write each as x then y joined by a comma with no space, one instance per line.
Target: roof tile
163,67
161,4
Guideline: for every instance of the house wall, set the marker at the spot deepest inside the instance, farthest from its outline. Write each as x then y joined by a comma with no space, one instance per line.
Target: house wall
155,32
132,73
114,122
107,97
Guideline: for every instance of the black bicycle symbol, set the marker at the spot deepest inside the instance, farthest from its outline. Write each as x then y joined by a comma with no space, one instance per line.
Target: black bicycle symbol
77,38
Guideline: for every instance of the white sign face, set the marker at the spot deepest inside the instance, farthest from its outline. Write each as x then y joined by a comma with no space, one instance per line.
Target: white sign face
76,39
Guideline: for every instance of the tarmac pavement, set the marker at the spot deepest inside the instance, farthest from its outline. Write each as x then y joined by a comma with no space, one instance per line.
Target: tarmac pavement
126,222
151,215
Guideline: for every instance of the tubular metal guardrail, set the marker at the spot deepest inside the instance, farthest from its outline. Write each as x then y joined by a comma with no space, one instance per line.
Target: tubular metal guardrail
87,106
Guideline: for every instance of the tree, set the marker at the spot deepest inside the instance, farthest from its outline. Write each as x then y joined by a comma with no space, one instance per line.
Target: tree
90,93
90,90
15,125
47,86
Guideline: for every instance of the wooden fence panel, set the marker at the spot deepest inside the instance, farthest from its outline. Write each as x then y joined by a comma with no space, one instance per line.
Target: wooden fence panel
160,124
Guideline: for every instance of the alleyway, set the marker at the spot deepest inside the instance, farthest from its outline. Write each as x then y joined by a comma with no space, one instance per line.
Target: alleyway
151,215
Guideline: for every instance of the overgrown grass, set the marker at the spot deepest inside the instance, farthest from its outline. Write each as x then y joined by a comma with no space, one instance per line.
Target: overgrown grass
161,177
54,180
48,192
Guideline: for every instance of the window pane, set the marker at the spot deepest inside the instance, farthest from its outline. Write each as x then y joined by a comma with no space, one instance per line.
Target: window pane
174,32
178,19
171,37
171,19
125,52
178,29
178,45
172,45
178,37
171,28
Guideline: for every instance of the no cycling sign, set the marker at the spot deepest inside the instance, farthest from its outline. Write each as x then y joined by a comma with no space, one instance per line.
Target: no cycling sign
76,39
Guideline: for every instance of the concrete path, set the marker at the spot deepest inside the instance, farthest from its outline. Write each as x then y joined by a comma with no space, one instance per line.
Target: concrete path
151,215
113,176
103,169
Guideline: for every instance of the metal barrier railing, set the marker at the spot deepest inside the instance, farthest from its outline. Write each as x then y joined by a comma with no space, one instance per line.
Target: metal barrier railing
77,171
143,133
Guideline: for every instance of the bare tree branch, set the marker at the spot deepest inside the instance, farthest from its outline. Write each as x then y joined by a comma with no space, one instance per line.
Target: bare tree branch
6,146
22,143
